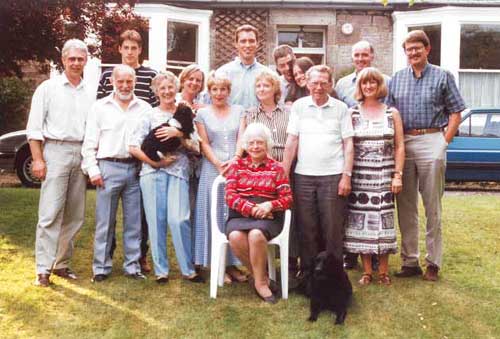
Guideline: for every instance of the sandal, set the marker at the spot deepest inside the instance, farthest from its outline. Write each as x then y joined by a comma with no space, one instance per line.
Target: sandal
236,275
383,278
366,279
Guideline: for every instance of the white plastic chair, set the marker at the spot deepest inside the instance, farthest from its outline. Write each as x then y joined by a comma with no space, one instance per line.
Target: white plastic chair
220,243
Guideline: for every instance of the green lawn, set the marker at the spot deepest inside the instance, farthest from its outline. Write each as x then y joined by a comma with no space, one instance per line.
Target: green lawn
465,303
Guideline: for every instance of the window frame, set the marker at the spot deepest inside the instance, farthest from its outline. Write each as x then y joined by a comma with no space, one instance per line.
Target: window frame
305,50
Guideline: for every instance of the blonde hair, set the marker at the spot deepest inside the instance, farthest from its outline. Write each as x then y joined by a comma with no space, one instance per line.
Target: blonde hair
186,73
218,78
275,83
370,74
164,75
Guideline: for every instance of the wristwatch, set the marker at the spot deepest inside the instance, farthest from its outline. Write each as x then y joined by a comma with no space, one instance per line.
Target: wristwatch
399,172
349,174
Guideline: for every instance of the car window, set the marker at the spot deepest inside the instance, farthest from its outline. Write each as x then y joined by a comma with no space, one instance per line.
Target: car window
492,128
473,126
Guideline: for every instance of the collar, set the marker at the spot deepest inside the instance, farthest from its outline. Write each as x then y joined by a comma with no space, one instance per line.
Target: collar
241,64
110,99
424,71
354,77
247,161
328,103
65,81
277,109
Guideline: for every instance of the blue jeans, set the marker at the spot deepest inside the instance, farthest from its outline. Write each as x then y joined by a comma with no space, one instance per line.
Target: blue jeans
120,181
166,201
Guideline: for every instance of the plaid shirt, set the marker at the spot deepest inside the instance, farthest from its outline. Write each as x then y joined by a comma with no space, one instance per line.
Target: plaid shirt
427,101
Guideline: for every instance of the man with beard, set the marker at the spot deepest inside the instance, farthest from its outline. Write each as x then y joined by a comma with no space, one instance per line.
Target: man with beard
55,133
114,172
130,49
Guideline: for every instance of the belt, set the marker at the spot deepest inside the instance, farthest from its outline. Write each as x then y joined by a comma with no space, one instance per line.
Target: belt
121,160
423,131
64,141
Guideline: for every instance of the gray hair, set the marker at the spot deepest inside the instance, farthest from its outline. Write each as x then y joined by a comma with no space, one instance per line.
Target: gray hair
363,44
257,130
74,44
164,75
123,69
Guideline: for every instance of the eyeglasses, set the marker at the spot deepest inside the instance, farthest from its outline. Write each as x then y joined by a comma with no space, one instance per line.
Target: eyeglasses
414,49
321,84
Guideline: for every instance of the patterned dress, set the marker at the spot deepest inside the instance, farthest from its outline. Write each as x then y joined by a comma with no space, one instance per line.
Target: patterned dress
222,134
370,226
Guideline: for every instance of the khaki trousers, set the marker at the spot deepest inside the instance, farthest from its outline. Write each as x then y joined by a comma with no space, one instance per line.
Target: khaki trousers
423,172
61,208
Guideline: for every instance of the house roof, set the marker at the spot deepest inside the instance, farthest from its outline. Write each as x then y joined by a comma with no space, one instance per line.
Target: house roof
314,4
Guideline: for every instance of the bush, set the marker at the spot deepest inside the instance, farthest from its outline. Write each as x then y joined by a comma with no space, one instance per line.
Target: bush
15,95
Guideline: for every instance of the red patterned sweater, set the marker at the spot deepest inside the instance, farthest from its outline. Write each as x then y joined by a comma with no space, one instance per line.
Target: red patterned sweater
266,180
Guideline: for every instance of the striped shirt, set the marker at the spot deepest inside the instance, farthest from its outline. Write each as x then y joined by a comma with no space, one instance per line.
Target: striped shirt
277,123
427,101
144,76
267,180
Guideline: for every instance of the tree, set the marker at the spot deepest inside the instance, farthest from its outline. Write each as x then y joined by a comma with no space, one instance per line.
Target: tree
37,29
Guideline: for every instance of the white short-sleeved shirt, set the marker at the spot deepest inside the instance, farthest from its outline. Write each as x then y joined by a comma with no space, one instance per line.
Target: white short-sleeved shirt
321,130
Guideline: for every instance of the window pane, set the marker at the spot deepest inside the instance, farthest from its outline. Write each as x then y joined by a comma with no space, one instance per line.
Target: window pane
434,34
181,43
479,47
288,38
313,40
477,122
480,89
464,128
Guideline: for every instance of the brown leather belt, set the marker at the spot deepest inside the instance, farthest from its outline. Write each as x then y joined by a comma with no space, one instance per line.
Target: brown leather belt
423,131
121,160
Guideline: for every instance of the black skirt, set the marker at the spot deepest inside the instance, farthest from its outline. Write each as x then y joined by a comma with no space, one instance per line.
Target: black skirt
269,227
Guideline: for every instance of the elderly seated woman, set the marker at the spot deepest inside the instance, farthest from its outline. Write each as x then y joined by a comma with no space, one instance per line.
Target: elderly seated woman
257,193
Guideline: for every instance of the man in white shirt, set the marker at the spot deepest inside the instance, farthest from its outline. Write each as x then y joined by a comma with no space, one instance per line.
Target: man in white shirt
55,131
320,134
113,170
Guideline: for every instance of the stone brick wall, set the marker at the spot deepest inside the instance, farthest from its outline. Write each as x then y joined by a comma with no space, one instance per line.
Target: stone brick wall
374,26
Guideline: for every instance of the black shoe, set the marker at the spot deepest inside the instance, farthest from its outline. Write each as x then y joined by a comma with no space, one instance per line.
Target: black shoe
99,278
269,300
136,276
162,280
408,271
274,287
196,279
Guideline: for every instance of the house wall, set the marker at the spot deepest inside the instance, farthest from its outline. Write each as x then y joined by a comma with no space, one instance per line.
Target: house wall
376,27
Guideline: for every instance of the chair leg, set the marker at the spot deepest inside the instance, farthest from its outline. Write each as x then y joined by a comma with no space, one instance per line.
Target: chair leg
284,269
222,264
214,269
271,257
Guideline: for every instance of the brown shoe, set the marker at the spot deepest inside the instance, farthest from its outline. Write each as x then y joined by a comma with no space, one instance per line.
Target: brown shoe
145,267
65,273
42,280
431,273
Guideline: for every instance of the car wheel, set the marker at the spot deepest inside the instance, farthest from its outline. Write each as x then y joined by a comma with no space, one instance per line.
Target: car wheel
23,168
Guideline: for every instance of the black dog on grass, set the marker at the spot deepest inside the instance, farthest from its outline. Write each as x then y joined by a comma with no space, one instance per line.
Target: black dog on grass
182,120
329,287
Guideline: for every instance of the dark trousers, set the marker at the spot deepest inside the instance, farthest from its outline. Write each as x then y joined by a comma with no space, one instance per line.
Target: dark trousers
321,215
